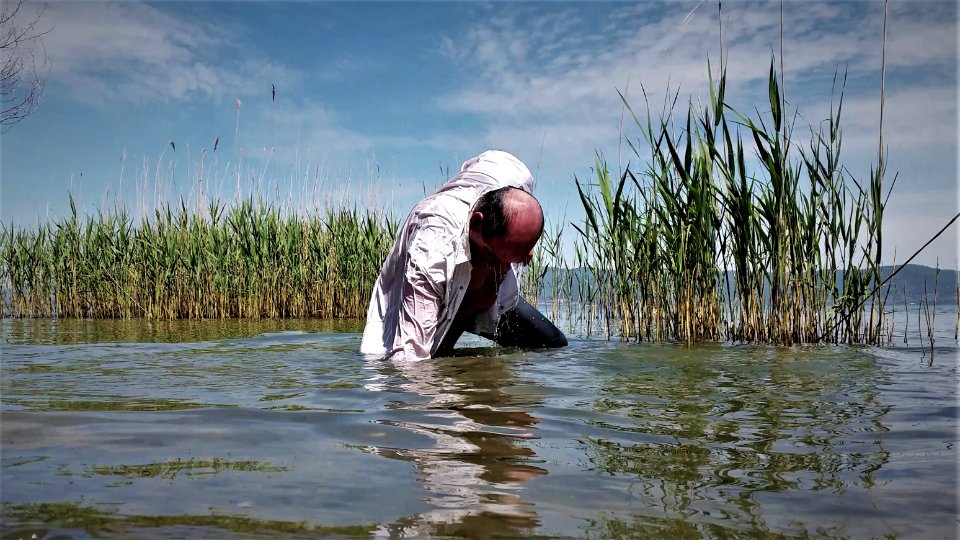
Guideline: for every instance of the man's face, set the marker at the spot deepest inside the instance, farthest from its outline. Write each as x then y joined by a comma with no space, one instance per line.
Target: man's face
502,251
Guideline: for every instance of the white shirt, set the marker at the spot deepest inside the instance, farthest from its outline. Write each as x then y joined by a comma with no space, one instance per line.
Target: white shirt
425,277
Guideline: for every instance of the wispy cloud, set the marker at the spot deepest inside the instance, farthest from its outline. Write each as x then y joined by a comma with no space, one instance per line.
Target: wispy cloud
548,88
134,52
539,80
559,76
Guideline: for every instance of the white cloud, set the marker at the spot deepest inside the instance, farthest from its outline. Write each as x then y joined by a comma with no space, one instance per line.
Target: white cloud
552,83
542,79
134,52
554,73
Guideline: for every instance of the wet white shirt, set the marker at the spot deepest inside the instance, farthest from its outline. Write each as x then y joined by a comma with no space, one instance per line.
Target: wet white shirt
425,277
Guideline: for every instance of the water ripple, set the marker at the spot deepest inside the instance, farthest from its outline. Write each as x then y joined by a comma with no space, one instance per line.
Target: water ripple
139,432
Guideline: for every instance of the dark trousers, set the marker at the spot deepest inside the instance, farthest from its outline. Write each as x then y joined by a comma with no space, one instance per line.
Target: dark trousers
523,326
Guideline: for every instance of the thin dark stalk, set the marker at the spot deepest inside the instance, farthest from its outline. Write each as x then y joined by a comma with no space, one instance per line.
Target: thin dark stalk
956,327
923,350
906,312
894,273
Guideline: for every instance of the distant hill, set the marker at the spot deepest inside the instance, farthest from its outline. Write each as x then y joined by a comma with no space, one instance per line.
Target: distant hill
912,279
909,281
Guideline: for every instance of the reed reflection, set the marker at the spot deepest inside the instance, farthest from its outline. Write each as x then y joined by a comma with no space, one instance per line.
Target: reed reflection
475,472
726,439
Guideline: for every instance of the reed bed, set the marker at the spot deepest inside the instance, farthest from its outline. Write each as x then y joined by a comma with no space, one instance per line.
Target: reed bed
717,238
731,228
245,260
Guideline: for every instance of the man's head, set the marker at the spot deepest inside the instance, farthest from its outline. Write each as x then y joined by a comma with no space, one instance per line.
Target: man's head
505,225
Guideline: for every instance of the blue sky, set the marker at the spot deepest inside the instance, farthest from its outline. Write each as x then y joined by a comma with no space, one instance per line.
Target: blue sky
376,102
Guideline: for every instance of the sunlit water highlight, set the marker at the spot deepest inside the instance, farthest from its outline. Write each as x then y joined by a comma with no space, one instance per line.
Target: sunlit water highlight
114,429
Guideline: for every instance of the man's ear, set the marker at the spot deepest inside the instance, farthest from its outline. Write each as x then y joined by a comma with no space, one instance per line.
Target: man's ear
476,220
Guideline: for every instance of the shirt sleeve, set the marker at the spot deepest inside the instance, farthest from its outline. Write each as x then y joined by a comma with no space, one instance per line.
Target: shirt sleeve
420,307
423,293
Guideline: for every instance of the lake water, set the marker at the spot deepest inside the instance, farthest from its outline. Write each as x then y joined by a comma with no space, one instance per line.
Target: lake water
234,429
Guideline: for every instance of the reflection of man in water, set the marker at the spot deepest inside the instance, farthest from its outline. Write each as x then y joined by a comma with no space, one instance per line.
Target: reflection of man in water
474,473
455,265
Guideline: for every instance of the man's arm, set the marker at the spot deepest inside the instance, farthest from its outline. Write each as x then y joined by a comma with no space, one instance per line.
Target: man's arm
421,306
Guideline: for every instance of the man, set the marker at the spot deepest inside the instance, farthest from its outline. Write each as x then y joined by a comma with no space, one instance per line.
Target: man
455,266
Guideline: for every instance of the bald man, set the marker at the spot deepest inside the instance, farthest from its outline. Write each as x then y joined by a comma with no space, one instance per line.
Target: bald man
455,267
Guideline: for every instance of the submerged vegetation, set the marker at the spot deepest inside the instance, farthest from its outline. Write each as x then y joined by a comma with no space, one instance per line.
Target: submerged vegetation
168,470
98,521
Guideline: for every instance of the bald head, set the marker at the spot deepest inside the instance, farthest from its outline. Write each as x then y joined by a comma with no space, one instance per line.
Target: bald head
505,225
510,211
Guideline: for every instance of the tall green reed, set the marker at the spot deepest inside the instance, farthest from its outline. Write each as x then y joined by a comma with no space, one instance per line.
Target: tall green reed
692,244
243,260
708,242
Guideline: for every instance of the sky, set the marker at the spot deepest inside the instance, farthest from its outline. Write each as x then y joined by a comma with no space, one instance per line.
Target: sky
375,103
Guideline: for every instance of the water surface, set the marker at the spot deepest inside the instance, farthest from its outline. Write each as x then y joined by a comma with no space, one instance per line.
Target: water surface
224,429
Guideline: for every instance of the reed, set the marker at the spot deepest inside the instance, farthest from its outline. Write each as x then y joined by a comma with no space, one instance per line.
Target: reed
691,245
244,260
695,245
